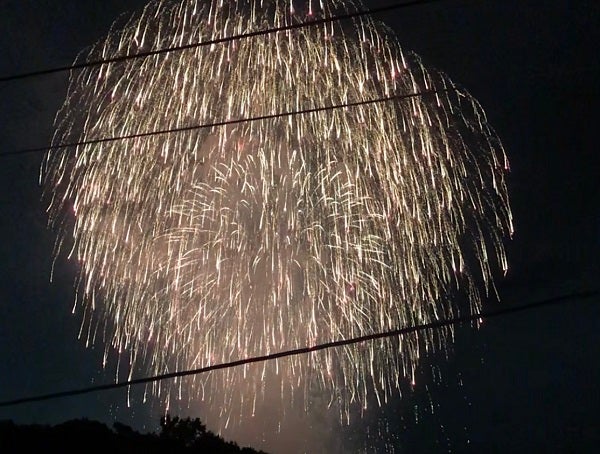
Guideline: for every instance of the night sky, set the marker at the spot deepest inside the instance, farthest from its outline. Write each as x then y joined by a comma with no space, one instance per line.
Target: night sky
519,382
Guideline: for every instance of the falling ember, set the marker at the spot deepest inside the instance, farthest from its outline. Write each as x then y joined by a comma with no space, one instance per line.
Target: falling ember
219,243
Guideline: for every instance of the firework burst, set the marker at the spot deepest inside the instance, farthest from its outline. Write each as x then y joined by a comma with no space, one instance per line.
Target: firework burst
219,243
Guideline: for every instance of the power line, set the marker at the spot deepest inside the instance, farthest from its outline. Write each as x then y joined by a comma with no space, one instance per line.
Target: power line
300,351
325,20
221,123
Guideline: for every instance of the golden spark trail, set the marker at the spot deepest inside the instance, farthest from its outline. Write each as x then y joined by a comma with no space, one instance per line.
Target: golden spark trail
215,244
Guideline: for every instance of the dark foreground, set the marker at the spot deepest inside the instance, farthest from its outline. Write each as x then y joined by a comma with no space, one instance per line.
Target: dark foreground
176,436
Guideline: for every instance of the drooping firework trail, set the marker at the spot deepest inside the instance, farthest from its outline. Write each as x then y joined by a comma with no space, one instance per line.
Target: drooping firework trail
215,244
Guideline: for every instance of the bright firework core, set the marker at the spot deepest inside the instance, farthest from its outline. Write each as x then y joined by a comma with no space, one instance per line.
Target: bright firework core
215,244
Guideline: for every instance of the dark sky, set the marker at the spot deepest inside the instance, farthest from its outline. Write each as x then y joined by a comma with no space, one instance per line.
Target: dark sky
519,382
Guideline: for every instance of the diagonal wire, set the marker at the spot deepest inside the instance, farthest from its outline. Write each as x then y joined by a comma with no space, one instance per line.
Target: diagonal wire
221,123
325,20
305,350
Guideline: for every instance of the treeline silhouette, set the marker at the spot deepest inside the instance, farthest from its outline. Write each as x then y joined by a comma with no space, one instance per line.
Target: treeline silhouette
177,435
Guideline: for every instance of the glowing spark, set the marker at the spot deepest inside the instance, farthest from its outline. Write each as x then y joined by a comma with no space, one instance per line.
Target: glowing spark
215,244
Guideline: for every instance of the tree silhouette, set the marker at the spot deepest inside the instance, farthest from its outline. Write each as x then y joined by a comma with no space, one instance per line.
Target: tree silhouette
186,431
176,435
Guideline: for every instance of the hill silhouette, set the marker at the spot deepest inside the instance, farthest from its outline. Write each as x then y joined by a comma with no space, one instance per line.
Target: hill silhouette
176,436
